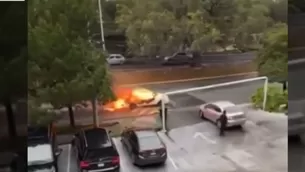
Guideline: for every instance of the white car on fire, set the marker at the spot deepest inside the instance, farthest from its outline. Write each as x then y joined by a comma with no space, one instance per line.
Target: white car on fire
143,97
136,97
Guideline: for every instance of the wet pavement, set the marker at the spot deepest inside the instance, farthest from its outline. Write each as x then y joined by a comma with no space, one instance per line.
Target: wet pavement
260,146
238,94
186,105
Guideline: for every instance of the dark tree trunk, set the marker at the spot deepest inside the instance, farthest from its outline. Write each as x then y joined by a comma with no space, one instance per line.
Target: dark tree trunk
284,85
71,115
10,118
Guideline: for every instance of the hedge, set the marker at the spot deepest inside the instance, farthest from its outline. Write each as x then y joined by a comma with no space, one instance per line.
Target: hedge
277,99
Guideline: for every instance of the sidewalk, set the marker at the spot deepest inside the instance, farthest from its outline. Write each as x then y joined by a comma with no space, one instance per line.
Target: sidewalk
84,116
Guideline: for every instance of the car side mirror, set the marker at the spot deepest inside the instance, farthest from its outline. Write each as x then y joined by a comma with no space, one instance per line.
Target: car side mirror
58,151
109,132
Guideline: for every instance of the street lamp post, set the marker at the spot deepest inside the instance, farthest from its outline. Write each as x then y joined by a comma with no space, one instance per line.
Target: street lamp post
101,24
95,102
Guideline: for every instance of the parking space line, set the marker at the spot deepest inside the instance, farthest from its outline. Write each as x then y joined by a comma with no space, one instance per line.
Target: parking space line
69,158
172,162
202,136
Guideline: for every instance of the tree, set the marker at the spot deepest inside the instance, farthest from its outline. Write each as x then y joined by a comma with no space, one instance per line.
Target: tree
64,66
205,25
272,59
279,10
12,59
148,28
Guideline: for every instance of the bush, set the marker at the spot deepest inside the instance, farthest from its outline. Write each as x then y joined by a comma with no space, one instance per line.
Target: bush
276,98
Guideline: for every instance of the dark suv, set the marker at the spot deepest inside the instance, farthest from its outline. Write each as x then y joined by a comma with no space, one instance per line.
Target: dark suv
178,59
96,151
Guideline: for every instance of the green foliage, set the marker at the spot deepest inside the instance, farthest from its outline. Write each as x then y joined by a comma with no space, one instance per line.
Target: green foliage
64,67
40,115
276,97
162,26
273,57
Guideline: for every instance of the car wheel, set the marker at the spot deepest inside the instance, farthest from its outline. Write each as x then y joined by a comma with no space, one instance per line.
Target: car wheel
201,115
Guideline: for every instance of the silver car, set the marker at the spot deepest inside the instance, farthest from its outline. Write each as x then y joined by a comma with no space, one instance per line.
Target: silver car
212,111
116,59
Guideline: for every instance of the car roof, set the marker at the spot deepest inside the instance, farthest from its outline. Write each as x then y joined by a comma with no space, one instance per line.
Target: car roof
115,54
96,138
145,133
223,104
42,152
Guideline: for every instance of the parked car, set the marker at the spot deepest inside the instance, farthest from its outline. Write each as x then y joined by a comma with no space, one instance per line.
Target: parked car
144,146
116,59
212,111
42,151
180,58
96,150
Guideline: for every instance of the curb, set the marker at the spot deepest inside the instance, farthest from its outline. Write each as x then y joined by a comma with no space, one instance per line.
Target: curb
192,79
174,74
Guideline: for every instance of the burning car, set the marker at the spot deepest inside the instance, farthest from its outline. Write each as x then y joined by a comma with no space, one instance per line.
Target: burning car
137,97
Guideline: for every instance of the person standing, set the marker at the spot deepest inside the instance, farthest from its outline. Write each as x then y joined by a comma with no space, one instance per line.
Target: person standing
223,123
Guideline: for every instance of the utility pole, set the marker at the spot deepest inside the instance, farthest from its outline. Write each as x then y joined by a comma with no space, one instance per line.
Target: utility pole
95,106
101,24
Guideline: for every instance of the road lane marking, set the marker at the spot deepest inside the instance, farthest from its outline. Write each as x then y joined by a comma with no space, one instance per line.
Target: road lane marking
187,80
69,158
201,135
172,162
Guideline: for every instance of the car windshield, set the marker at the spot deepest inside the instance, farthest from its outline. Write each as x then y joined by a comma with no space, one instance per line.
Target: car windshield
98,153
233,109
150,142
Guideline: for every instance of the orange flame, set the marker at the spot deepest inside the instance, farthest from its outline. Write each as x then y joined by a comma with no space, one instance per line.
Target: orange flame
126,96
119,104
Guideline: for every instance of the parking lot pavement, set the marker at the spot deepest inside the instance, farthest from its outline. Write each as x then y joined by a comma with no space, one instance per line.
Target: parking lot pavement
67,161
261,146
185,105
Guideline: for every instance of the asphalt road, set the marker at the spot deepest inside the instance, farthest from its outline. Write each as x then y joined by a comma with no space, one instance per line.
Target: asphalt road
213,59
185,110
238,94
261,146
